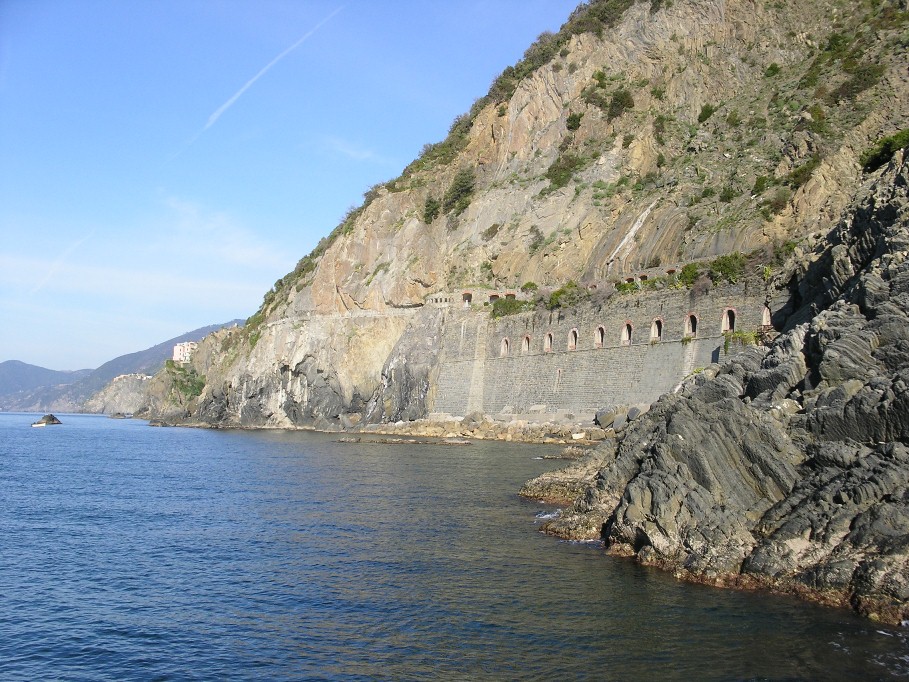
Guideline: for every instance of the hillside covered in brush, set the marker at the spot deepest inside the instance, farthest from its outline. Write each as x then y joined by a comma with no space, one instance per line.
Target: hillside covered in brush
641,137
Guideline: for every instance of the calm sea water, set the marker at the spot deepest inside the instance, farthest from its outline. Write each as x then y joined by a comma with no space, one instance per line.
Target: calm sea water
135,553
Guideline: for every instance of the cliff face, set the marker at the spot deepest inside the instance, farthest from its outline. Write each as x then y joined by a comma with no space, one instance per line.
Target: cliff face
124,394
649,136
787,466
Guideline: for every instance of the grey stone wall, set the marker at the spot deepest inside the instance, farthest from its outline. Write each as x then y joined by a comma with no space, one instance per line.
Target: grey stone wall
477,371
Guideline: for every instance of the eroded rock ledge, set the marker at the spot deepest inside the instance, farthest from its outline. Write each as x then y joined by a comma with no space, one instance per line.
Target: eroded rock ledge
787,467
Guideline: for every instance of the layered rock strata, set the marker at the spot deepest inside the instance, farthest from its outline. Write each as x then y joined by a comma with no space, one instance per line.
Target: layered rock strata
787,467
652,136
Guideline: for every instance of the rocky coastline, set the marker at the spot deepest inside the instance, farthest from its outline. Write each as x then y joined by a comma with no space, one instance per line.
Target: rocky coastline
785,468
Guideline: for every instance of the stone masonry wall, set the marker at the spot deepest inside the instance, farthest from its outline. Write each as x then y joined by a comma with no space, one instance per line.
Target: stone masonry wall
487,365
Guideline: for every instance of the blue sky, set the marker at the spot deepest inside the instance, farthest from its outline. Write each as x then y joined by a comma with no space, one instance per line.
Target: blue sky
163,162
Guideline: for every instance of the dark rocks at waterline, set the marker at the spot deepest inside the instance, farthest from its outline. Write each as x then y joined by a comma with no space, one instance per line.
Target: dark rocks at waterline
786,467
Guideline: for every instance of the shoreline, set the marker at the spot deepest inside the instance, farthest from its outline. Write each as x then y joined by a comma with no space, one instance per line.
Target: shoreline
566,487
473,427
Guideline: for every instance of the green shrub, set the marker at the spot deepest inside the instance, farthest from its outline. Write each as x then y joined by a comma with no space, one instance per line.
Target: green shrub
772,70
566,296
620,102
563,169
818,123
777,202
761,183
729,268
728,194
689,274
742,337
536,240
627,140
509,306
529,287
659,128
733,118
782,251
880,153
707,111
186,381
431,209
802,174
626,287
864,76
574,121
459,194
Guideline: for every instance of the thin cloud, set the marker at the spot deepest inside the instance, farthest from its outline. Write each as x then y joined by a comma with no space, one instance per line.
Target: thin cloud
352,151
216,236
59,262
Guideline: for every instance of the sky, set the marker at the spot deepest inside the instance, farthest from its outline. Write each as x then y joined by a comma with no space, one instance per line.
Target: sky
164,162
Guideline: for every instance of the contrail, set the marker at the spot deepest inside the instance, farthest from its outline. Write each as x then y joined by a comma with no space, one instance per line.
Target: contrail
246,86
57,264
224,107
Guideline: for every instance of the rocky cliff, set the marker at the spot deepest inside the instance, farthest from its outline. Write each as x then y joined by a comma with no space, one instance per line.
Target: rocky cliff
786,467
125,394
641,137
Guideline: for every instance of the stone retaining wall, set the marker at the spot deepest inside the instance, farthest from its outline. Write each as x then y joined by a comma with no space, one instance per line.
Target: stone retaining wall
487,365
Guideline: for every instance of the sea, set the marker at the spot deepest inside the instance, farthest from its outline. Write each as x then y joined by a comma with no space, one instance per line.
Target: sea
136,553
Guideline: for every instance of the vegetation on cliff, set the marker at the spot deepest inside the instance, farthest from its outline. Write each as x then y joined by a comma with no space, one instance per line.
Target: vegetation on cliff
654,142
737,140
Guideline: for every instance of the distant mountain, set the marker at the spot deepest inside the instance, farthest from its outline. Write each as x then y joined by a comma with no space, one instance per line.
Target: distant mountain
20,376
31,388
146,361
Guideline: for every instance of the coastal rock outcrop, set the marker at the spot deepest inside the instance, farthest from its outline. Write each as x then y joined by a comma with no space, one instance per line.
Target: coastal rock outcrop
787,466
125,393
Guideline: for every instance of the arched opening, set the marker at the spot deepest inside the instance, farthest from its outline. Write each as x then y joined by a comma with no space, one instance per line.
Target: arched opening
547,343
510,297
627,332
656,330
765,317
467,297
599,338
728,321
643,278
503,349
572,339
629,280
525,345
493,298
691,325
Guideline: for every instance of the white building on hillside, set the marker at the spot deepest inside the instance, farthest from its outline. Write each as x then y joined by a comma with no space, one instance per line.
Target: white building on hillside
183,352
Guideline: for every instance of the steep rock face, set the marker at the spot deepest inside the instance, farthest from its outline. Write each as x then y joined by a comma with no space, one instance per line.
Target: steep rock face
787,466
124,394
300,372
678,132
